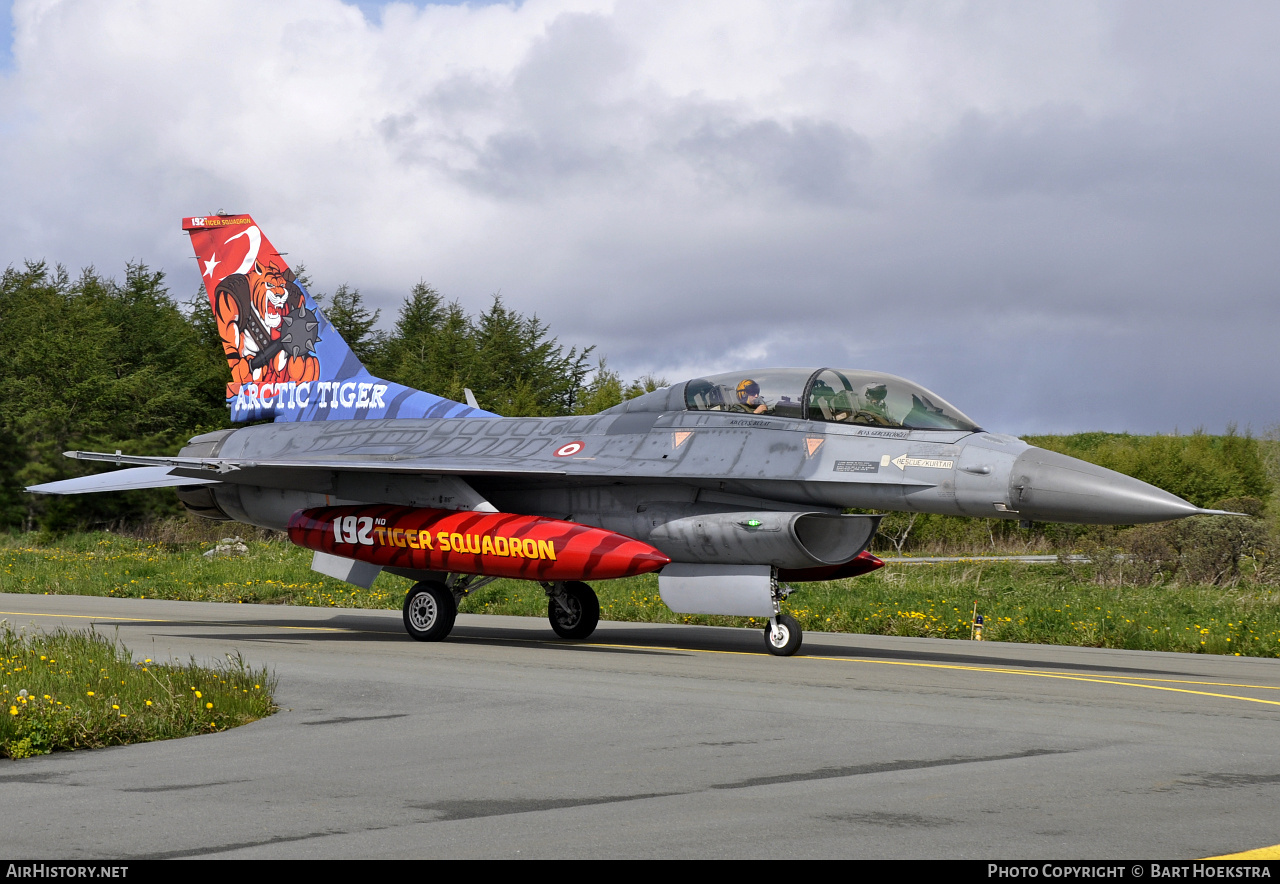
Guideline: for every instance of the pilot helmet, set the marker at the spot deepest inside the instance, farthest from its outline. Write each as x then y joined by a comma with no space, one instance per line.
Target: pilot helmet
747,389
876,394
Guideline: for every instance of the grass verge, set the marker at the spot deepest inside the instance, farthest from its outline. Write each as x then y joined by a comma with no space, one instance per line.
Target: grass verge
70,690
1045,604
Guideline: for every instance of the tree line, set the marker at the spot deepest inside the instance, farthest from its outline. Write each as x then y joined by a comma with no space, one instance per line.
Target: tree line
508,360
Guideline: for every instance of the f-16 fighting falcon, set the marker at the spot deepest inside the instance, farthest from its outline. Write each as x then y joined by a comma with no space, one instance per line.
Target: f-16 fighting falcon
732,486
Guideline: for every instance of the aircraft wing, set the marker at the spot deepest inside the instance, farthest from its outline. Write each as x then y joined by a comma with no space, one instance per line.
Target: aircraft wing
120,480
172,472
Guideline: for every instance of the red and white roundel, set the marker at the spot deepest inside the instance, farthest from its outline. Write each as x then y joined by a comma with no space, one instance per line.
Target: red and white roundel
569,449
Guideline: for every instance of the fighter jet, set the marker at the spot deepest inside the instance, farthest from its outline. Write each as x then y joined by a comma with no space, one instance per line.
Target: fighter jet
732,487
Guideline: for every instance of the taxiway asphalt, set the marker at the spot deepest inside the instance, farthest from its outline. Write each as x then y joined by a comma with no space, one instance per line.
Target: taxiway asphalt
659,741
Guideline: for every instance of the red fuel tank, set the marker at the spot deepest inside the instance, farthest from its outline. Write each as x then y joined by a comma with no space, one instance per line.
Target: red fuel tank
492,544
863,563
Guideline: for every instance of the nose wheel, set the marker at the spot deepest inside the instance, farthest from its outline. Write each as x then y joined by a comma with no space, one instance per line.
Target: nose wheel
573,609
783,635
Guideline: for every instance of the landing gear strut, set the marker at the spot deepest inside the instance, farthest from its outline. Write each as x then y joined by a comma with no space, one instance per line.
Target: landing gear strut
572,608
782,635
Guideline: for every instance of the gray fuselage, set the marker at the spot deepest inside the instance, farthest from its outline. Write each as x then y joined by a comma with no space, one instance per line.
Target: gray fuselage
629,469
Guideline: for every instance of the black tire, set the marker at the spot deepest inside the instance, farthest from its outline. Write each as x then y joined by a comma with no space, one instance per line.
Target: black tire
583,614
788,641
429,611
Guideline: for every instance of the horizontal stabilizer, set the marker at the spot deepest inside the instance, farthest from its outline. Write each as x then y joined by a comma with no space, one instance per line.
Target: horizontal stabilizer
120,480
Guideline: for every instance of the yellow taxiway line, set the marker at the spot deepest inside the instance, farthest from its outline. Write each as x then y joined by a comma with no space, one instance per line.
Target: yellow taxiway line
83,617
1118,680
179,622
1272,852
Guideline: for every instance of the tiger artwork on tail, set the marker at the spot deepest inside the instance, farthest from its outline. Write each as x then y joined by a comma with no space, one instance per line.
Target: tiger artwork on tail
251,310
288,363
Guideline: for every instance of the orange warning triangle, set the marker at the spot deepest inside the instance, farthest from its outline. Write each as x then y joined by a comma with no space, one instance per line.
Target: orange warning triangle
813,443
679,436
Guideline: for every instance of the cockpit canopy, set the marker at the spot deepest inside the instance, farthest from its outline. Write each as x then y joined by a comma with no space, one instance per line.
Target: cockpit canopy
861,398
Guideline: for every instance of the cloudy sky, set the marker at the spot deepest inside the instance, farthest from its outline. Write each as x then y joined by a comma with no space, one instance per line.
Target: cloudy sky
1059,216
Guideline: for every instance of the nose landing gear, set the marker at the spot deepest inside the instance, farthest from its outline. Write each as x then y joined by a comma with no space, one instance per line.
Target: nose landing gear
572,608
783,635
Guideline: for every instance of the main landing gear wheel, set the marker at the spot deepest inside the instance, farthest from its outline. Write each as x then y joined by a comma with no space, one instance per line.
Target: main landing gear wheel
783,636
574,611
429,611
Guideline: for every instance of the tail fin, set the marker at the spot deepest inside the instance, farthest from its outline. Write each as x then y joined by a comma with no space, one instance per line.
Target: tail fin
287,362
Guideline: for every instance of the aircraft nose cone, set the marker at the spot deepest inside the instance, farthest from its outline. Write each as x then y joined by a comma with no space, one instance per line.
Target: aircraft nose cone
1051,487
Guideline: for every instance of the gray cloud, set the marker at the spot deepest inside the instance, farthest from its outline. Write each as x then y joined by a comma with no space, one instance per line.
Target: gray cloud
1060,216
808,160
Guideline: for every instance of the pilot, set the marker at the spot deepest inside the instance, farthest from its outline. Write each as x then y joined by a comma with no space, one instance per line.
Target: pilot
749,398
875,409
